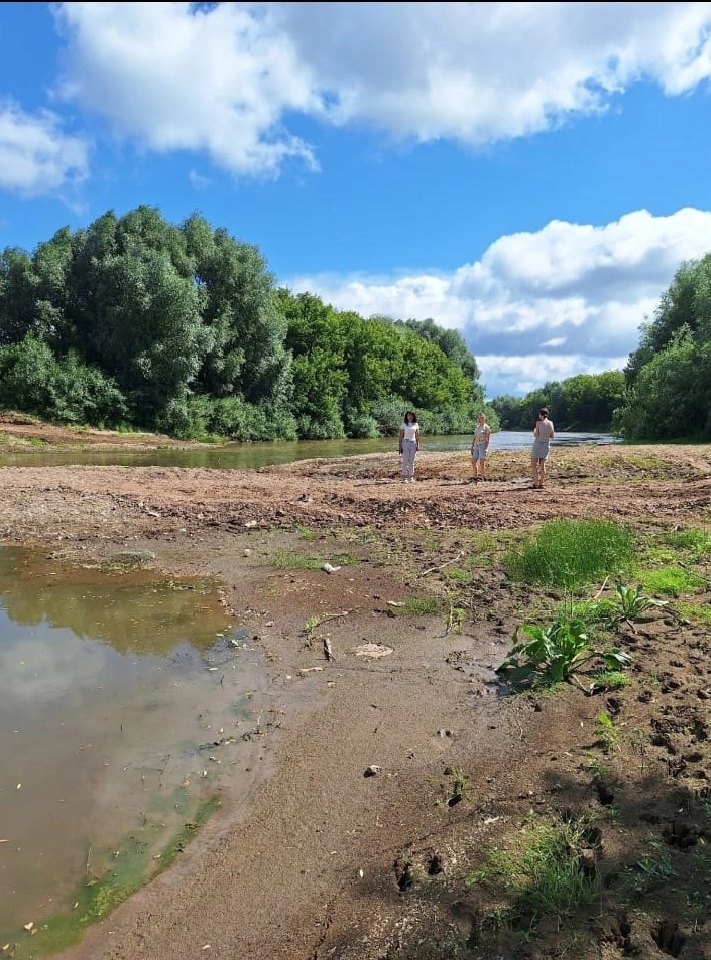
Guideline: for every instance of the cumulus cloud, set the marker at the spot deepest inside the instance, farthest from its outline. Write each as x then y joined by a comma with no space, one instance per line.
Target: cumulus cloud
482,72
36,156
537,306
181,76
228,78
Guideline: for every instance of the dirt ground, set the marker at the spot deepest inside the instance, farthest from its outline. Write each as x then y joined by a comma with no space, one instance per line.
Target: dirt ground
325,861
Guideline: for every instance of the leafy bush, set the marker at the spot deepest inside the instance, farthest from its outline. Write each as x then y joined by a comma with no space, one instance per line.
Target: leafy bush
308,428
632,604
570,553
33,380
388,415
556,653
361,426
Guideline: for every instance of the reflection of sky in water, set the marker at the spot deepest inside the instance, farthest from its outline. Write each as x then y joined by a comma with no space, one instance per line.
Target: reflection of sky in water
101,733
45,665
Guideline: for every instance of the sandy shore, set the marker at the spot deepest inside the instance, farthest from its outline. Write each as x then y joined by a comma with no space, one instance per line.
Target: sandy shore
312,866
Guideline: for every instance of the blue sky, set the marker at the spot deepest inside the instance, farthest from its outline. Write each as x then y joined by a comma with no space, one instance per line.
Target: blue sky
529,173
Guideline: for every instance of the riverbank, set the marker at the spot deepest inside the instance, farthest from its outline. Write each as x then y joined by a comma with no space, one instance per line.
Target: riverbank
19,431
330,862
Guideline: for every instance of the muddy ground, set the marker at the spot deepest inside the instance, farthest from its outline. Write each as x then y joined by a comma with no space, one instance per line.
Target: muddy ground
326,862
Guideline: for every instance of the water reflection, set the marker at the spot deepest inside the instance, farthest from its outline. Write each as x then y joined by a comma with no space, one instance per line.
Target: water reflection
110,687
127,611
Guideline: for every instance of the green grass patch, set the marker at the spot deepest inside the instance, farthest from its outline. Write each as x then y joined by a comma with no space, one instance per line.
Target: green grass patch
697,542
593,612
459,575
610,679
651,871
292,560
669,581
306,533
417,606
539,876
653,465
697,613
571,553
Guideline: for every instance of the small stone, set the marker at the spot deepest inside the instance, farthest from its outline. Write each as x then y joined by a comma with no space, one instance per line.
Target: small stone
372,771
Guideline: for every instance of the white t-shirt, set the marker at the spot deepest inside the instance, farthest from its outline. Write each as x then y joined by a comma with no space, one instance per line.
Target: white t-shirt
410,431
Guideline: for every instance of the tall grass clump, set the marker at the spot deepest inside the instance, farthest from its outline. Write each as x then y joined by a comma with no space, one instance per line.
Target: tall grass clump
571,553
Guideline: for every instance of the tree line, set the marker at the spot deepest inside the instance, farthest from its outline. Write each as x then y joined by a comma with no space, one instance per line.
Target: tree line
139,323
134,322
663,392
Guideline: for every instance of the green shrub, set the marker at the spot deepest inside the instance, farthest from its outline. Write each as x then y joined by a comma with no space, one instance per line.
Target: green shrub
65,389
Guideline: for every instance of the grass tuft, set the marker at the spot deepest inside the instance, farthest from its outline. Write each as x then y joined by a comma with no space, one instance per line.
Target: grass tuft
571,553
542,875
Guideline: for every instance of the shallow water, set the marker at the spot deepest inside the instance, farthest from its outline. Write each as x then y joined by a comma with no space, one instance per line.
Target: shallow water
251,456
114,690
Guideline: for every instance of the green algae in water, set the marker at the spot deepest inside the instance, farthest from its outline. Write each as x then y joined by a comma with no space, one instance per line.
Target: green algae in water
133,865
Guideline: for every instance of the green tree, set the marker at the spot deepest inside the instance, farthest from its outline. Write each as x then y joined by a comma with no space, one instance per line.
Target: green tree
684,304
244,315
136,310
670,397
18,286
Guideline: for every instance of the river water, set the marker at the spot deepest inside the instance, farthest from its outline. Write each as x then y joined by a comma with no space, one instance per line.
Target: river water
251,456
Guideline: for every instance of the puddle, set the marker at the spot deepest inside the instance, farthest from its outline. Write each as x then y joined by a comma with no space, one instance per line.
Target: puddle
122,712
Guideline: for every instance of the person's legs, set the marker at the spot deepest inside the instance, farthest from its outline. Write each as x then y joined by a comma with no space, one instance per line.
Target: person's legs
474,466
408,459
403,465
534,471
481,464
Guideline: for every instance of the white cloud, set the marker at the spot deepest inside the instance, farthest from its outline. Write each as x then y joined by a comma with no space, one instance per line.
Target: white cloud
177,76
36,157
482,72
227,77
536,306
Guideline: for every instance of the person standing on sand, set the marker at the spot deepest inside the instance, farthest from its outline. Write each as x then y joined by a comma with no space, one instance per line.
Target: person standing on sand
480,444
543,433
409,444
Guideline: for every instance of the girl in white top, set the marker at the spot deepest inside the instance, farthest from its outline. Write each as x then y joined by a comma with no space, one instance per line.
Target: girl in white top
409,444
